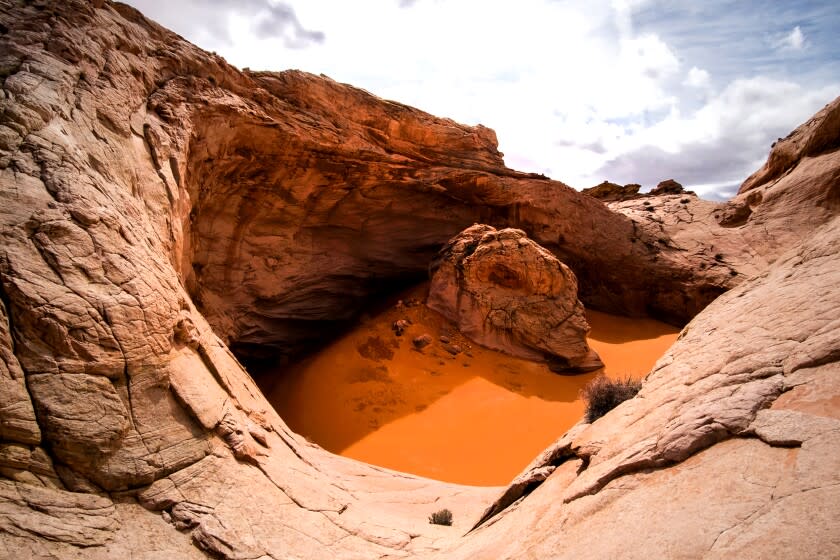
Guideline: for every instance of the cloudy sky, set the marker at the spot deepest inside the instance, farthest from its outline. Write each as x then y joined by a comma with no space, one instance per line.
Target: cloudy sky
633,91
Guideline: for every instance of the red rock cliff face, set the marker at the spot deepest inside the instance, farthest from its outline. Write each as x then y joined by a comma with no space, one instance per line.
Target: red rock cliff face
285,200
322,195
307,196
148,185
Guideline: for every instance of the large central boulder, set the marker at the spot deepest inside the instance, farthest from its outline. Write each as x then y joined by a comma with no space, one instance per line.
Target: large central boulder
507,293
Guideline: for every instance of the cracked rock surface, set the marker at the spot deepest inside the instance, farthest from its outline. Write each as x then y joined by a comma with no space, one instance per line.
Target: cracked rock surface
159,207
507,293
730,448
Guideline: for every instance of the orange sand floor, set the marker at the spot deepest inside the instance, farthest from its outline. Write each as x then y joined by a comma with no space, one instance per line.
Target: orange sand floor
476,418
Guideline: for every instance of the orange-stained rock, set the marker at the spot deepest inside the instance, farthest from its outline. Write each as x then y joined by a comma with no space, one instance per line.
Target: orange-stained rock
507,293
612,192
668,186
353,196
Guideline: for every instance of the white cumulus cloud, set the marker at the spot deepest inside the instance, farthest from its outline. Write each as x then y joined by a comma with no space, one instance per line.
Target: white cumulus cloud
697,78
580,90
716,147
795,40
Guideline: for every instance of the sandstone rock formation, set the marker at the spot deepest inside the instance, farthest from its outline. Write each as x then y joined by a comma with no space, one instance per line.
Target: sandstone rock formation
275,195
158,207
753,380
507,293
668,186
744,397
820,135
777,208
612,192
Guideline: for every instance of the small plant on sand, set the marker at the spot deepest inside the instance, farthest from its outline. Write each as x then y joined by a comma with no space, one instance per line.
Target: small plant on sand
603,394
442,517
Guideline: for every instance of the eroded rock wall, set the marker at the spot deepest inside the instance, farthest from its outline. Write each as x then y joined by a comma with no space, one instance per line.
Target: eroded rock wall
146,184
285,200
729,450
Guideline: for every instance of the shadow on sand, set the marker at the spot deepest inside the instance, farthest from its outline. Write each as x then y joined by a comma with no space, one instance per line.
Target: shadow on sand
475,417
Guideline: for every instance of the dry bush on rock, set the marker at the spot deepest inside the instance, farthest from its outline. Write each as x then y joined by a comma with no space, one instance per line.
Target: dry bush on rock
603,394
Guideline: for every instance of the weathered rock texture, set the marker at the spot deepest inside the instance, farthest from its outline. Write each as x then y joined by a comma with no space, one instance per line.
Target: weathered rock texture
668,186
819,136
148,190
730,449
507,293
613,192
281,200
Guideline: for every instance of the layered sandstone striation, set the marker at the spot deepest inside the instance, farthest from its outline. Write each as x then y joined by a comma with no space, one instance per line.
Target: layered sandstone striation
159,207
507,293
819,136
283,201
747,396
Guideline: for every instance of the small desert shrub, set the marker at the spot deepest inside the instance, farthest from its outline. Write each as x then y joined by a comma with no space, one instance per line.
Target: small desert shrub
603,394
442,517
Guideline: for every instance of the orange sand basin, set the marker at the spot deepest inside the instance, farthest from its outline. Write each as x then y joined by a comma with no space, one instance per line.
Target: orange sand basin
478,417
